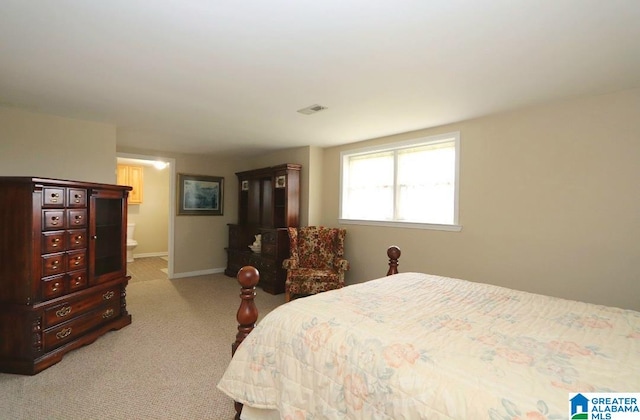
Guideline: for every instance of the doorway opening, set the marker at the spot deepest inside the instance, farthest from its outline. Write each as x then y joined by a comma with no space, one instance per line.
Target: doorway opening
154,214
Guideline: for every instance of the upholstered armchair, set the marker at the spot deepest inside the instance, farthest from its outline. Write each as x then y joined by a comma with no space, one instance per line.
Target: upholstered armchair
316,263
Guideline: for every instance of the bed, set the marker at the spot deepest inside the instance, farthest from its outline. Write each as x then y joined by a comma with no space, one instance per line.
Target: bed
418,346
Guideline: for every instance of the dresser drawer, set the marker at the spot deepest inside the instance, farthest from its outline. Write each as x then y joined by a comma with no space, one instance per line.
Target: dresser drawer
52,197
77,239
52,219
77,198
53,287
77,218
53,242
77,280
73,308
76,260
53,264
63,333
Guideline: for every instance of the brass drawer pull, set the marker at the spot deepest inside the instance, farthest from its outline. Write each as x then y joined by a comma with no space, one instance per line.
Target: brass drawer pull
107,314
63,333
108,295
54,220
78,280
78,219
55,287
54,197
78,238
78,197
56,241
64,311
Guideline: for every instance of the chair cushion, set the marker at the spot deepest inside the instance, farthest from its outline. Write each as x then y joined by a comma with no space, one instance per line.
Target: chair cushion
311,281
303,275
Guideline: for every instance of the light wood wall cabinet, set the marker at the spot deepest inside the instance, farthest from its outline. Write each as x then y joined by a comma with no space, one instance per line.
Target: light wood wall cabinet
132,177
268,203
63,272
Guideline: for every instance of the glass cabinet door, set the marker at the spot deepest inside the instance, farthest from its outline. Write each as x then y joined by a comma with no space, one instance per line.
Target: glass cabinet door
108,236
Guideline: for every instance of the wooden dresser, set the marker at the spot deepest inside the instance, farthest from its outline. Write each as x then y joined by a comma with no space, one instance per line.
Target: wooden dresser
268,203
63,273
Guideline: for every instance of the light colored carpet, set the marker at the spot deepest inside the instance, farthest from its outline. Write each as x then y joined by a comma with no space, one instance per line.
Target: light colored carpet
165,365
145,269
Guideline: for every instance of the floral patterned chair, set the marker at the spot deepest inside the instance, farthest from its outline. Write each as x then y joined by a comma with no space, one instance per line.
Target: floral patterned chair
316,263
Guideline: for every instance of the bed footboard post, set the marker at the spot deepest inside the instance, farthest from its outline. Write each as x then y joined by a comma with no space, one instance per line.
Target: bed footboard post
393,252
247,312
247,315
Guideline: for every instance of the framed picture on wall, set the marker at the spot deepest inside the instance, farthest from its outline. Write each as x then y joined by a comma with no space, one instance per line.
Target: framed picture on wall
200,195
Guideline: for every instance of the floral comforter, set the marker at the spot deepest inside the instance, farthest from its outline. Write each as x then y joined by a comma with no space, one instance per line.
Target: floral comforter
417,346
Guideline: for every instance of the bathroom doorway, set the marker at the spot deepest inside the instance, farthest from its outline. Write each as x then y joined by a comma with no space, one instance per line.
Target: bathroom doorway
153,215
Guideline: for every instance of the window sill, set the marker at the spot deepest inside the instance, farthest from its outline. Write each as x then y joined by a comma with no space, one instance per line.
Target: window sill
409,225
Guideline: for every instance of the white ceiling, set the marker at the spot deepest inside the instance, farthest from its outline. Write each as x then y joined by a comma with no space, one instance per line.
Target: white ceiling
213,76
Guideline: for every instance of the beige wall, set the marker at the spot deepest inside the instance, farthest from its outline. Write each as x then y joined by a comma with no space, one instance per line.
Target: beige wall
200,241
315,187
152,215
549,199
41,145
549,203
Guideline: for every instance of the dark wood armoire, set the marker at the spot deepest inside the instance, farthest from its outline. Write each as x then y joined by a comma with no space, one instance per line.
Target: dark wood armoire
268,203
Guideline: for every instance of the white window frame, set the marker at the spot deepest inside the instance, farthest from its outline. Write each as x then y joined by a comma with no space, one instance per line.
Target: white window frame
447,137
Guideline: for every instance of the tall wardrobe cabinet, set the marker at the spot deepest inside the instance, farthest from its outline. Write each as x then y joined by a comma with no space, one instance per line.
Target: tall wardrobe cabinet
268,203
63,272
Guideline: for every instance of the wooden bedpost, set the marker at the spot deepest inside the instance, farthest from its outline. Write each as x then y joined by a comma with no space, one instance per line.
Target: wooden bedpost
247,312
393,252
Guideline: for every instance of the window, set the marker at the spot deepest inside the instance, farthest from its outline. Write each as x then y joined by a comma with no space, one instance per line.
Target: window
411,184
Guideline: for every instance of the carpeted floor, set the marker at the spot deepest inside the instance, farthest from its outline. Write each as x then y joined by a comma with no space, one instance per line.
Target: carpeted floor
165,365
145,269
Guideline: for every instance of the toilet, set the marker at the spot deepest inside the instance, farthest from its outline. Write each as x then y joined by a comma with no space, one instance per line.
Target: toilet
131,243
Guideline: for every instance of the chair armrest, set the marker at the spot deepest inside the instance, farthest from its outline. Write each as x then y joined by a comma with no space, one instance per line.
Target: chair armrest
341,264
290,264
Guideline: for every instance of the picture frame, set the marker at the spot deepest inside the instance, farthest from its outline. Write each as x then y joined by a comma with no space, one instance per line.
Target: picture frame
244,185
281,181
200,195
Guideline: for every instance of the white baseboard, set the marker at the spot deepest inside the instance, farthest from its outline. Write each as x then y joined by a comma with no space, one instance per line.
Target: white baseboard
151,254
197,273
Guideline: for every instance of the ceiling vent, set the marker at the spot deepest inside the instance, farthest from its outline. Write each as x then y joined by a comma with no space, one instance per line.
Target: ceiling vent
312,109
